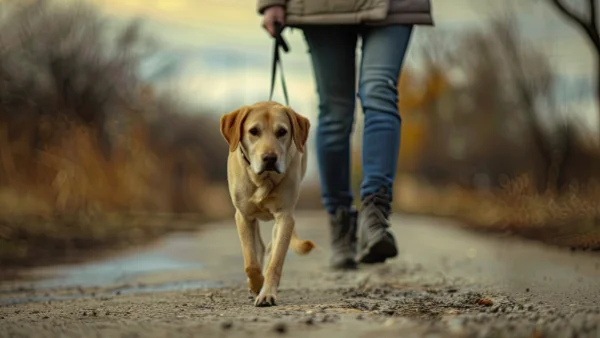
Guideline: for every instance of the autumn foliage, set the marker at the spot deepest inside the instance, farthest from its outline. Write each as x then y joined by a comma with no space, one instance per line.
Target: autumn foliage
490,146
89,155
414,95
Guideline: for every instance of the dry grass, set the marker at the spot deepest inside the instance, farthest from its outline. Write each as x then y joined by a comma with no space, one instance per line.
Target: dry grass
87,152
495,149
570,219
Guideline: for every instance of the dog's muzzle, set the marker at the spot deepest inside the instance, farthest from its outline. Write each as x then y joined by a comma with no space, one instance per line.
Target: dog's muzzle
270,163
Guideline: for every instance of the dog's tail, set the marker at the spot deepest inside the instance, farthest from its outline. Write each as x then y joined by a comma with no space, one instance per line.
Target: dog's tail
301,246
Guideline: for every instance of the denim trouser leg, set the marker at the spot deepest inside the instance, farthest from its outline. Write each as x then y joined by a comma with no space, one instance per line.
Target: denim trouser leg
333,55
383,52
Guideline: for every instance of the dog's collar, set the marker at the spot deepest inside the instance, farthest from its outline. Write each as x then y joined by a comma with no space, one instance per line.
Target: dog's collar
244,155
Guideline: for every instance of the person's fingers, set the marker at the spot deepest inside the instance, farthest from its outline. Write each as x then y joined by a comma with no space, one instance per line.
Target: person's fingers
280,18
272,16
269,26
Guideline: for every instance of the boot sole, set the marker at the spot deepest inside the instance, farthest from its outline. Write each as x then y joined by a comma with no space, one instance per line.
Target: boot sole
379,251
348,264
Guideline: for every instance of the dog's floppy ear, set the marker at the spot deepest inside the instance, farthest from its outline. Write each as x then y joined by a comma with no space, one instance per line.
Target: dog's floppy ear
300,128
231,126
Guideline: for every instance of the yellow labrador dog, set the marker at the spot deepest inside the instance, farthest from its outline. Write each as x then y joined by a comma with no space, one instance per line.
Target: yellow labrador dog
266,163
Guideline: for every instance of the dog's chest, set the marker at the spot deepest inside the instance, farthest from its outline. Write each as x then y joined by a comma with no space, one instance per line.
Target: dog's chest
257,201
253,208
262,212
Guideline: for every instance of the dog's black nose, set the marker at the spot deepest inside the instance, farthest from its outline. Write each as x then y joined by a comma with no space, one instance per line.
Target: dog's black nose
269,159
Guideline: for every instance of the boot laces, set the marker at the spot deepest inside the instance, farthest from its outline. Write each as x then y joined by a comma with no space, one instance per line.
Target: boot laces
377,209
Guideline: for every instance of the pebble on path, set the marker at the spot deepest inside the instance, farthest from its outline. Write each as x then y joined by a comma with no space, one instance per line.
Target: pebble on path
280,327
226,325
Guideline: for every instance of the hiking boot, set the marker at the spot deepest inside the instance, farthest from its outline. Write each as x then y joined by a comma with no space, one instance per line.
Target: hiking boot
343,239
375,242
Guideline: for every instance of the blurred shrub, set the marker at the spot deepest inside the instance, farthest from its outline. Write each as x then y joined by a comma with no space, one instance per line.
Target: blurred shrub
82,139
492,111
494,149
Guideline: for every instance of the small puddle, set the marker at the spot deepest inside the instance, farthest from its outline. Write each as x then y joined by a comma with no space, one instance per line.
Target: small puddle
115,271
113,276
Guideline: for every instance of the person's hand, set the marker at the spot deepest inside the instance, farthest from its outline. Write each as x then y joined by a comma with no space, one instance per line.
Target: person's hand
272,15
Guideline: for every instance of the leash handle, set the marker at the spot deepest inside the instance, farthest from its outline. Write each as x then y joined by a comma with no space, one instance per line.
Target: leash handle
278,42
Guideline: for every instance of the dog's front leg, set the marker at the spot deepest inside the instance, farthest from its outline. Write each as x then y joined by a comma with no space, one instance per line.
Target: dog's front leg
279,247
247,232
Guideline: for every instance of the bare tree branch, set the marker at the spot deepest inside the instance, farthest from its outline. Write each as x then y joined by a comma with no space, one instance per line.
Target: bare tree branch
593,14
590,27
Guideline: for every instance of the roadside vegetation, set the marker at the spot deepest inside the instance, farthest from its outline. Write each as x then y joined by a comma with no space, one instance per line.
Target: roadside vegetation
90,156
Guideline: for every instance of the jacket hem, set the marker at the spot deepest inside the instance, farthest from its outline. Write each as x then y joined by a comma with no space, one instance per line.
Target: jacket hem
262,5
297,21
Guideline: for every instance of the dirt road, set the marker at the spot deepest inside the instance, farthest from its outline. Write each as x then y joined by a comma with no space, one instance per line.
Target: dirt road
446,283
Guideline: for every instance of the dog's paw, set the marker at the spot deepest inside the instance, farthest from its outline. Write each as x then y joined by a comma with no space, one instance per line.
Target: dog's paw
254,286
255,281
265,299
251,295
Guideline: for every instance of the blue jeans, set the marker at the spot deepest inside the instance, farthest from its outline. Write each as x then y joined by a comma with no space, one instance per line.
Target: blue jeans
333,55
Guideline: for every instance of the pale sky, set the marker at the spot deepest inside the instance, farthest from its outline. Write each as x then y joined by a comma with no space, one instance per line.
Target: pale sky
223,49
223,55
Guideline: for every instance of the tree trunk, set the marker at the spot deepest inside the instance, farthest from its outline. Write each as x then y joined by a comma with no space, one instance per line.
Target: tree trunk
598,86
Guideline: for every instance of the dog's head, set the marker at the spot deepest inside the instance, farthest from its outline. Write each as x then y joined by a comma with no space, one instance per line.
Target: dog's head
266,132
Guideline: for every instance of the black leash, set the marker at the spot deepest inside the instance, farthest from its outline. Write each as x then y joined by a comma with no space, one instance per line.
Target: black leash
278,42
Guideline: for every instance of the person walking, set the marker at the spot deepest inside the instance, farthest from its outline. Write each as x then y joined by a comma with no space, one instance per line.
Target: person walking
331,29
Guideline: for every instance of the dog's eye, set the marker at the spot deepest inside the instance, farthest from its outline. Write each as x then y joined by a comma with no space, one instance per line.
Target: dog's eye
281,132
253,131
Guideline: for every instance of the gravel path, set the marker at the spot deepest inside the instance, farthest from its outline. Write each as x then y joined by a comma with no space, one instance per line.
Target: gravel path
446,283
